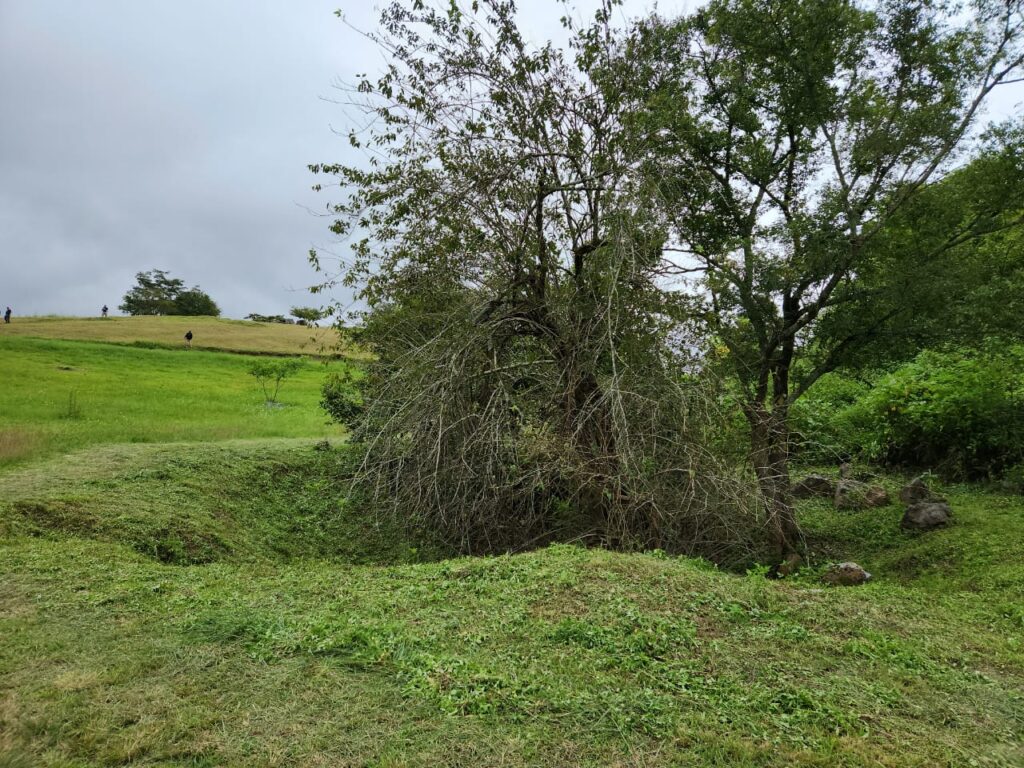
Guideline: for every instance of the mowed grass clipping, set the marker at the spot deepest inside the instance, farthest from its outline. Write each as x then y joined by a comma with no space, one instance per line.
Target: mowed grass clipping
58,396
561,657
212,333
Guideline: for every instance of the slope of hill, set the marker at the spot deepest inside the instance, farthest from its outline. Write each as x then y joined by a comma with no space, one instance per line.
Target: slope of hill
61,395
211,333
163,607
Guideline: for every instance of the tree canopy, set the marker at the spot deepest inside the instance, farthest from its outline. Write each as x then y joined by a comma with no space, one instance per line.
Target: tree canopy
561,251
156,293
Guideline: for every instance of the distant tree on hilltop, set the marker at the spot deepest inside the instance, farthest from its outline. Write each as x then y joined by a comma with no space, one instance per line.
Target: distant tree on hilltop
156,293
310,315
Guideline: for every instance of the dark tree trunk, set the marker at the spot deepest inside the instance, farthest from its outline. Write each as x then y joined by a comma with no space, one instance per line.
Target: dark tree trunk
769,444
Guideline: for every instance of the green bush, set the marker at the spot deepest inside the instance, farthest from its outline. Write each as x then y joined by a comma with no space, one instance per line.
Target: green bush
959,412
271,373
343,397
821,432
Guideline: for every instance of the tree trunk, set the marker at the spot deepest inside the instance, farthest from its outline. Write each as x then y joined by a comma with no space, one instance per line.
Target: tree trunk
769,433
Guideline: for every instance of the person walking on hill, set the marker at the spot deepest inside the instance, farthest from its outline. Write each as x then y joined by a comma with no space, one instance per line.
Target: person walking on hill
104,311
7,315
188,340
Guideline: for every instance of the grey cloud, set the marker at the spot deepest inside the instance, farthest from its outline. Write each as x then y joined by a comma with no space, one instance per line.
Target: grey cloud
175,134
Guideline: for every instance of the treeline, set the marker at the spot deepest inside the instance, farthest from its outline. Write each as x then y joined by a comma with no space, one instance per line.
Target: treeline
582,266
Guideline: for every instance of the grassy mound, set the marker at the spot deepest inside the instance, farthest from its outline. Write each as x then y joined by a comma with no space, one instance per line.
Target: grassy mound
263,641
241,500
59,395
211,333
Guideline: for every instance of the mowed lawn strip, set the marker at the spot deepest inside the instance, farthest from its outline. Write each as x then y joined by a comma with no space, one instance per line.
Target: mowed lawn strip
559,657
212,333
59,395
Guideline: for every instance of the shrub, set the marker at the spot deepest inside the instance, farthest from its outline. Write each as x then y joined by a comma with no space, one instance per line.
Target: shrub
956,411
343,397
821,429
271,373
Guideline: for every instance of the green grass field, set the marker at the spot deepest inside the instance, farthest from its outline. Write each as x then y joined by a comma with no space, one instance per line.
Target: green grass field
59,395
219,602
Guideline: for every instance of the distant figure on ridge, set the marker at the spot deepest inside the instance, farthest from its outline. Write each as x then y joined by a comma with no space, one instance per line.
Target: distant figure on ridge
7,315
104,310
188,340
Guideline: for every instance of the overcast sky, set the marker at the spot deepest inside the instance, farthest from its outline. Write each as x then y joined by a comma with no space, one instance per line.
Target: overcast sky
175,134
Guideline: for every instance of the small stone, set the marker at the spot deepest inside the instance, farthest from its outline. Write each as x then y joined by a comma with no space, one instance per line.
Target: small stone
845,575
813,485
926,515
877,496
914,491
851,494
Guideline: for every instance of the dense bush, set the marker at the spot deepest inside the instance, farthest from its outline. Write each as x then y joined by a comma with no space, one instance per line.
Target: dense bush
959,412
343,397
821,432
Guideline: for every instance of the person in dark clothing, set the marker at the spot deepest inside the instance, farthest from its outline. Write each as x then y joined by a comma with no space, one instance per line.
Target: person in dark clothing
7,315
105,310
188,340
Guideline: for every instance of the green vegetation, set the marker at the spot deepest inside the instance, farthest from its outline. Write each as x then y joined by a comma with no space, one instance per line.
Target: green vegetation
602,286
958,412
239,500
60,395
580,263
278,651
230,603
270,374
155,293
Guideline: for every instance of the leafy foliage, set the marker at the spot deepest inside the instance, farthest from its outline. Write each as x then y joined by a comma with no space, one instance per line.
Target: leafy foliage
793,143
958,412
344,396
310,315
156,293
529,381
270,374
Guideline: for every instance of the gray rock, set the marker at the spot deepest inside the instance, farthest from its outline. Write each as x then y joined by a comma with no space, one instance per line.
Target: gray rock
914,491
851,494
877,496
845,575
926,515
813,485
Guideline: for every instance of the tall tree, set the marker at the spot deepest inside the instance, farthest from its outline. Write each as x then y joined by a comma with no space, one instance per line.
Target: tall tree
501,240
156,293
795,141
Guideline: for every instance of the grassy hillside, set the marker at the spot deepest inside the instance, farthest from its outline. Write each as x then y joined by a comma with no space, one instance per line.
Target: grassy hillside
212,333
183,582
57,396
276,647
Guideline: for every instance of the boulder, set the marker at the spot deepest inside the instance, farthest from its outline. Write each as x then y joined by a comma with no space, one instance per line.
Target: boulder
877,496
926,515
916,490
854,494
813,485
845,575
850,494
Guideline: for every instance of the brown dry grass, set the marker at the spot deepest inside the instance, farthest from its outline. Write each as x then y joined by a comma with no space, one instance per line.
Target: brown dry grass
211,333
16,442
